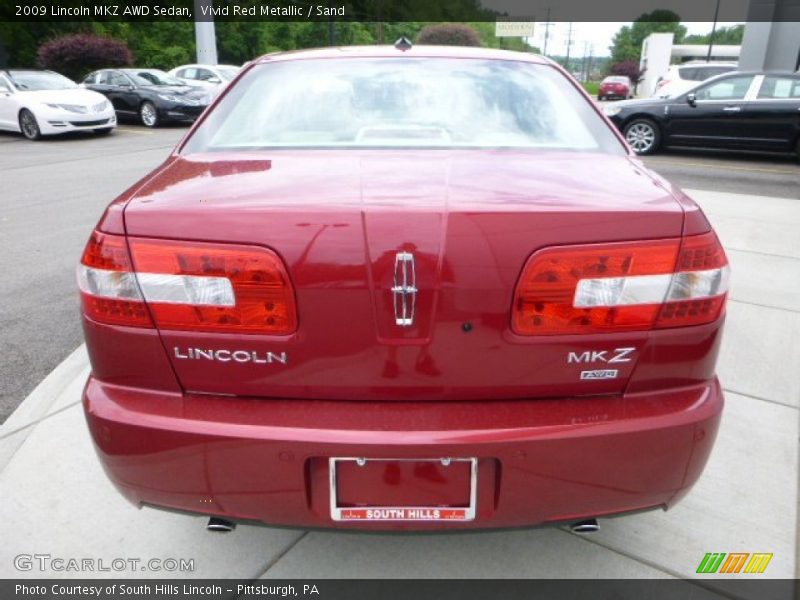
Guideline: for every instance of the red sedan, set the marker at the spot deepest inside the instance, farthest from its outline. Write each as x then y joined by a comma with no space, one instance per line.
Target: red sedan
393,288
615,87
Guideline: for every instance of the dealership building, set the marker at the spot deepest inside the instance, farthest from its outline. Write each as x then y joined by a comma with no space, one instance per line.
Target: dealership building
771,43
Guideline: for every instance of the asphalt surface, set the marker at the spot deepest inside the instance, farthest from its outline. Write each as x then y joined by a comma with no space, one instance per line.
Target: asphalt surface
51,195
734,173
53,192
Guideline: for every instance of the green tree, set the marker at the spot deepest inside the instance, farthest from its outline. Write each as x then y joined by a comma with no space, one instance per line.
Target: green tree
22,40
160,45
627,42
166,44
723,35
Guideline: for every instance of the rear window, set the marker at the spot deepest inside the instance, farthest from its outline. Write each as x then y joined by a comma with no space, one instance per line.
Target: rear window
703,73
776,88
403,102
228,73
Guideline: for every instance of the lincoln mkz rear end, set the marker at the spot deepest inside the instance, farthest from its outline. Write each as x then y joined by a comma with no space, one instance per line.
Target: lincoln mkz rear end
422,288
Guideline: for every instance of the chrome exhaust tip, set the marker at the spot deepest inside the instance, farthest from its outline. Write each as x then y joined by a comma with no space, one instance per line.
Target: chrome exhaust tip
220,525
584,527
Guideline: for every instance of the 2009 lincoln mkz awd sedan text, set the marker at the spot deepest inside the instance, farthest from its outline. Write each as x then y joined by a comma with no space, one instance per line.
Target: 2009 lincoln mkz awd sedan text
403,288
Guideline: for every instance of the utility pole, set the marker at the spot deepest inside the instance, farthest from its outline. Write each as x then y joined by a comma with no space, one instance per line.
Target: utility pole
569,45
546,31
713,31
331,28
380,21
205,37
583,61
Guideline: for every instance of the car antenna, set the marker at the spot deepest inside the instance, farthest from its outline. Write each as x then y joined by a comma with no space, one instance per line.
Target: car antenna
403,43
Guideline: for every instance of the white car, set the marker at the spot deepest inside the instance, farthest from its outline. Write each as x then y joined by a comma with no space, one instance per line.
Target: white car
681,78
39,103
212,78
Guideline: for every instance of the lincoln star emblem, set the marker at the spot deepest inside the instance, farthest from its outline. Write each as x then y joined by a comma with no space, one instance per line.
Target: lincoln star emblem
404,291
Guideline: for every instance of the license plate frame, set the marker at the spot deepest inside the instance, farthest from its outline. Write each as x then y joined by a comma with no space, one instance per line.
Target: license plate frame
446,514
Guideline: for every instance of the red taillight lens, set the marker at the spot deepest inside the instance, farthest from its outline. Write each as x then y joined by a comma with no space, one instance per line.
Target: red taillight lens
621,287
186,285
214,287
109,293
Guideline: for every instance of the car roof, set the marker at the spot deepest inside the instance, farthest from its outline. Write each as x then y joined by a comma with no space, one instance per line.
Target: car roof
207,66
414,51
774,72
729,74
26,71
705,63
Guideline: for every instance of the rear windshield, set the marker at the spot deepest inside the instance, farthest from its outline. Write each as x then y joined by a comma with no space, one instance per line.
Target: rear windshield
703,73
227,73
403,102
615,80
152,77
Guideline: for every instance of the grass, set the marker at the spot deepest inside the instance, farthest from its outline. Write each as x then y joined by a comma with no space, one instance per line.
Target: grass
591,87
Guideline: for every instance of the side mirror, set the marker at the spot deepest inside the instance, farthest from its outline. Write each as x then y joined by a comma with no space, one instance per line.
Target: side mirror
691,99
214,80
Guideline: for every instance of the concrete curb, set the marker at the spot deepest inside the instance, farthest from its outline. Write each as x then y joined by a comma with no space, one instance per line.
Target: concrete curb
37,406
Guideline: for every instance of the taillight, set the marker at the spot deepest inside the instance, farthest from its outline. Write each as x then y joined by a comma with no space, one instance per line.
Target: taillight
193,286
699,286
621,286
109,292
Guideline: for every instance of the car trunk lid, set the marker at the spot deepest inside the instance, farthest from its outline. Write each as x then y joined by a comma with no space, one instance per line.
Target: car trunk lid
404,265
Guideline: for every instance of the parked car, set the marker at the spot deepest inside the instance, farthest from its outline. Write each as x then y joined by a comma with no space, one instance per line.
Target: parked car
615,86
39,103
735,111
403,288
681,78
148,95
212,78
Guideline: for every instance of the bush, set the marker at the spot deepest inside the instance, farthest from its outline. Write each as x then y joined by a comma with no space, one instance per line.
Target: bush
449,34
75,55
628,68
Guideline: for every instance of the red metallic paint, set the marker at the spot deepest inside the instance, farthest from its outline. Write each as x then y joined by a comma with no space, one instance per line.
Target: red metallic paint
472,218
619,90
539,460
251,441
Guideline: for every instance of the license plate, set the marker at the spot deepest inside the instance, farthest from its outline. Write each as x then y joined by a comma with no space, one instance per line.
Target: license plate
440,489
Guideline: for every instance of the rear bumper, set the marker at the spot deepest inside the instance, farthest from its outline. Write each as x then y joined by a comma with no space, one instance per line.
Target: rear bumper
539,461
613,93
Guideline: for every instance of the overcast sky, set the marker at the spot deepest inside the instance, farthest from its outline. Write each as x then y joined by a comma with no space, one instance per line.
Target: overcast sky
595,37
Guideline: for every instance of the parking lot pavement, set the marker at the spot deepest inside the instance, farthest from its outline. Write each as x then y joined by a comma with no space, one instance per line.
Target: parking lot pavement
51,194
759,175
55,499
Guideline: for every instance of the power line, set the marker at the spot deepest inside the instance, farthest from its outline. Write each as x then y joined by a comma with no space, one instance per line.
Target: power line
546,31
569,45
